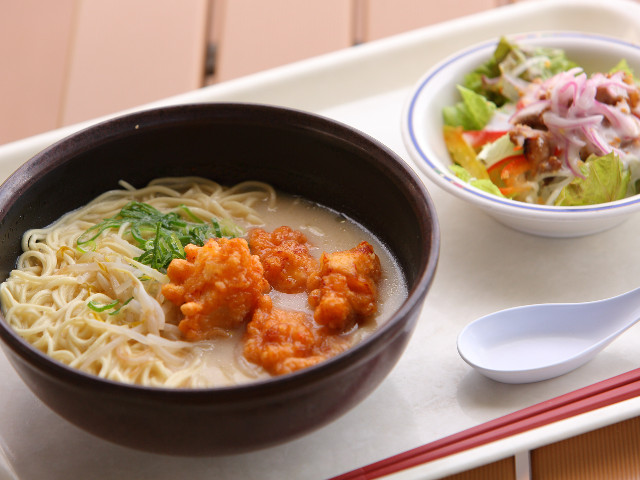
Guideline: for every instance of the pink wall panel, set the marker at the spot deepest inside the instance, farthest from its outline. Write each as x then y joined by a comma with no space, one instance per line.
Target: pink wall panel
128,53
381,18
257,34
35,39
73,60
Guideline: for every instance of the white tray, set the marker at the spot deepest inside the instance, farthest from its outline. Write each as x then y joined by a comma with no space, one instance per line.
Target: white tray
483,267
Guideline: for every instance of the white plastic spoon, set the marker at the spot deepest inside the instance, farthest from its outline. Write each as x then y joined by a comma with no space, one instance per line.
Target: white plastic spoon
538,342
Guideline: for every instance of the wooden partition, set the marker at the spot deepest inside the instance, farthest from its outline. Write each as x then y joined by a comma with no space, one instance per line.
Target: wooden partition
73,60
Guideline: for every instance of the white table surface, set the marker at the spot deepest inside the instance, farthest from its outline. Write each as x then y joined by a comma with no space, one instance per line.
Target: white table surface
484,266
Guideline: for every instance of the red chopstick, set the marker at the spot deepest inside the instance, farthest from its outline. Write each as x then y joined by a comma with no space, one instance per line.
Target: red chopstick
598,395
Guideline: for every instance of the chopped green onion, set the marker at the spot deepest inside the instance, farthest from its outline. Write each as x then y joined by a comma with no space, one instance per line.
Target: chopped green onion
101,308
162,236
115,312
190,214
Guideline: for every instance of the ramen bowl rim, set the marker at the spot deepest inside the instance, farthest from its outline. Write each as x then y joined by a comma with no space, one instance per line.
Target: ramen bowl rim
48,159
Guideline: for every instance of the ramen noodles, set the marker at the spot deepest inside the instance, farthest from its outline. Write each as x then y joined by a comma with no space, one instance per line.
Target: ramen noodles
186,283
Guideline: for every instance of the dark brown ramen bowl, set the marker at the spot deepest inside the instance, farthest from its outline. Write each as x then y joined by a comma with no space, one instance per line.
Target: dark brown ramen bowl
297,152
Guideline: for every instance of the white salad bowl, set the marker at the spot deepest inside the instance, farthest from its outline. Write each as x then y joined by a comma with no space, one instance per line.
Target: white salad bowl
422,133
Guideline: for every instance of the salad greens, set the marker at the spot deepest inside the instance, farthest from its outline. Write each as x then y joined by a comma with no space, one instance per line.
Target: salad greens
483,184
532,126
604,180
491,79
472,113
484,89
162,236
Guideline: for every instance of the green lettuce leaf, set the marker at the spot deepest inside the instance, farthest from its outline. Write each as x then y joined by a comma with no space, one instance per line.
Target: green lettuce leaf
493,152
557,62
483,184
605,180
542,62
490,69
461,173
472,113
622,66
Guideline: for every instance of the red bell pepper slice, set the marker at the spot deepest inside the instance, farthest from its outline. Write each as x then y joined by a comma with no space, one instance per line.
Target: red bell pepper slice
495,171
517,166
479,138
509,174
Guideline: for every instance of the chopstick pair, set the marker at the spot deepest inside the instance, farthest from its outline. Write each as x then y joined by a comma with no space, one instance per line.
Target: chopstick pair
607,392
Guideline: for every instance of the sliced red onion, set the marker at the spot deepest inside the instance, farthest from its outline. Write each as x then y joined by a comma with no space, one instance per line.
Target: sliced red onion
586,97
601,146
627,126
552,119
571,158
534,108
574,117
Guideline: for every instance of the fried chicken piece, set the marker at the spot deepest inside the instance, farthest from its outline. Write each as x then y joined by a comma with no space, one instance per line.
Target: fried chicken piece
285,257
217,287
283,341
344,290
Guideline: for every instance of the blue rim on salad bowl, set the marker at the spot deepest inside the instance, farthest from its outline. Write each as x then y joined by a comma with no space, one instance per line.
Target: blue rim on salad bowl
422,132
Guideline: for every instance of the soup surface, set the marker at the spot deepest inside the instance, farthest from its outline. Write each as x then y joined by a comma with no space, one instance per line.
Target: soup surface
88,290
